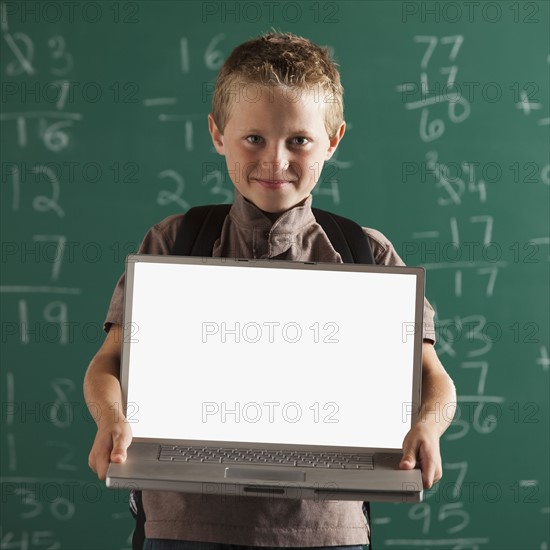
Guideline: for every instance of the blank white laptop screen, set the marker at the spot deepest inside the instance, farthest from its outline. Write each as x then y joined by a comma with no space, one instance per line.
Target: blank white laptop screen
291,356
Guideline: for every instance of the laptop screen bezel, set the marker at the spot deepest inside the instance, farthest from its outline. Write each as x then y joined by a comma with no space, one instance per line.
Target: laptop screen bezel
127,327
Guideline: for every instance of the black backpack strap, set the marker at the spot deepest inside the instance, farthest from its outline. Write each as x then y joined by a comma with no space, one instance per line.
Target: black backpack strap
136,508
366,512
346,236
200,228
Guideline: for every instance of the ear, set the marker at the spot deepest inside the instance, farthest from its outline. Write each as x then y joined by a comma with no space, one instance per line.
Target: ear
217,136
336,140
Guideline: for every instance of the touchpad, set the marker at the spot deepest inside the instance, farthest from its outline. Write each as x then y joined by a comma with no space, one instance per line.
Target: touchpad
261,473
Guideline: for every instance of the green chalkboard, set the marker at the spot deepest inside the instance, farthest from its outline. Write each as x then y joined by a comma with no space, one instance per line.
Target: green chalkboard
104,133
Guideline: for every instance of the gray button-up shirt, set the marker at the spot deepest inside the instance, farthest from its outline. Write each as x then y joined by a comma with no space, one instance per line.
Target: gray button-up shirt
256,521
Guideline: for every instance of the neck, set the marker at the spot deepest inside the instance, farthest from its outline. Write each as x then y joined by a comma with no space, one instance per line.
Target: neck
274,216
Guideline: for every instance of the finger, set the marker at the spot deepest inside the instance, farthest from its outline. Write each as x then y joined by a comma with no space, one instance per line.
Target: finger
91,462
428,474
438,473
98,461
431,468
102,466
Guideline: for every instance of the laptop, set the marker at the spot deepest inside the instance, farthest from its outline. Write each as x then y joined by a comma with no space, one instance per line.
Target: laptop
270,378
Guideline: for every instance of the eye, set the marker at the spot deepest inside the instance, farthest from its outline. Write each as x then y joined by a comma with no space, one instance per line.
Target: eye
253,139
304,142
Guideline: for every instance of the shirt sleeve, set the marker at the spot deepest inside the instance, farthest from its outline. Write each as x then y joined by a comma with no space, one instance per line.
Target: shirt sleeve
385,254
158,240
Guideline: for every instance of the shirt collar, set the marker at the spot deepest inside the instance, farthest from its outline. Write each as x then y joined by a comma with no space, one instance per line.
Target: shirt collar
246,213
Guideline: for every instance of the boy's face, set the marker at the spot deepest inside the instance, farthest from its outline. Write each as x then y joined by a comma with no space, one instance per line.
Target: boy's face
275,144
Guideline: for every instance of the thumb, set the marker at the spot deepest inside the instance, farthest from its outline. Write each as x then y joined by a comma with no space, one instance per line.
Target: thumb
409,459
118,454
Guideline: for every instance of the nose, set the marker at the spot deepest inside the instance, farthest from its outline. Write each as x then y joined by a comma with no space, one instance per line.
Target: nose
276,160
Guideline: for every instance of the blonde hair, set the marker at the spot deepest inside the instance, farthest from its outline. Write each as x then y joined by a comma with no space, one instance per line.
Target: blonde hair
280,59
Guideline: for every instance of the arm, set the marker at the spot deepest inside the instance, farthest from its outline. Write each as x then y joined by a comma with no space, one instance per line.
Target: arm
104,399
421,444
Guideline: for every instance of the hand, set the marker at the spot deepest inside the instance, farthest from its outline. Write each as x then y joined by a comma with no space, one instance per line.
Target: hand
110,444
421,445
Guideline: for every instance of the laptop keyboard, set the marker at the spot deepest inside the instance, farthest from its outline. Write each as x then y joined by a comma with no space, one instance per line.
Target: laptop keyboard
228,455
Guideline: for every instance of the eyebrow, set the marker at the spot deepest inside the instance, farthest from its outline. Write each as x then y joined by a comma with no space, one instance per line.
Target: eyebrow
256,131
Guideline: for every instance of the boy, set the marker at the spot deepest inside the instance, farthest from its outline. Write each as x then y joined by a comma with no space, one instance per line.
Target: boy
277,116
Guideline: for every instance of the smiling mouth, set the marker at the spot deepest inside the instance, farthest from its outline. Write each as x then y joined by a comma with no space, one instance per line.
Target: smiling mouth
274,183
